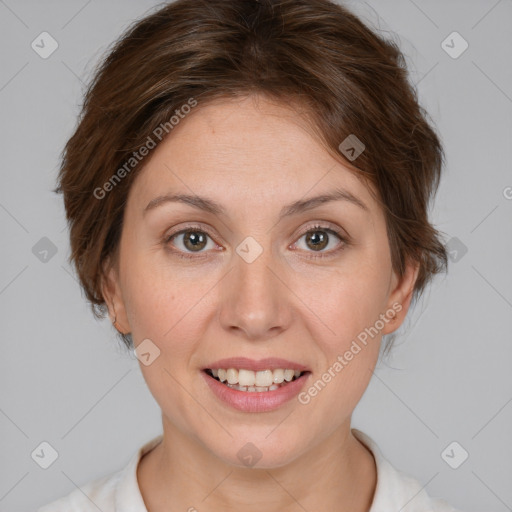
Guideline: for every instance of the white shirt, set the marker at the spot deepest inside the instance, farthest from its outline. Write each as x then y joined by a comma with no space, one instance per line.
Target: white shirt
119,492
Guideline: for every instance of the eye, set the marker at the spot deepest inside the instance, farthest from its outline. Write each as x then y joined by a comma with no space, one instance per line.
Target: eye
190,240
194,239
318,237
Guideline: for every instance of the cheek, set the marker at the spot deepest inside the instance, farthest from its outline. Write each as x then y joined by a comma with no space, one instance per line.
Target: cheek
349,348
166,305
350,300
349,305
351,353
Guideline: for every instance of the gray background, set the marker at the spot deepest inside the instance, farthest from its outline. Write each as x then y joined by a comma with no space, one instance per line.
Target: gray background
64,378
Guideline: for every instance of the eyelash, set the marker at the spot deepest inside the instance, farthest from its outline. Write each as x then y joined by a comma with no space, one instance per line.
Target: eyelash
317,227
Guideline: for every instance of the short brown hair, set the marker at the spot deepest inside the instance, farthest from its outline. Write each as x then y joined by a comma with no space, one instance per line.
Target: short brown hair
313,53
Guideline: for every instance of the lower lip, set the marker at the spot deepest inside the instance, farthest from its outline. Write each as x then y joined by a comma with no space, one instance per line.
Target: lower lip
256,401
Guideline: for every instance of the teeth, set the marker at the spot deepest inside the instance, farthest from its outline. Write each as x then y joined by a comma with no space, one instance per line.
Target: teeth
255,380
246,378
278,376
264,378
252,389
288,375
232,376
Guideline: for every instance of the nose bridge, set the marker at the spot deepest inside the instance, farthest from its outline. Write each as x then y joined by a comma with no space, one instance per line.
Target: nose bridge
253,297
252,262
253,279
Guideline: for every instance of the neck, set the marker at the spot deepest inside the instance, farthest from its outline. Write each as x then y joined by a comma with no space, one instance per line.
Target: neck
337,474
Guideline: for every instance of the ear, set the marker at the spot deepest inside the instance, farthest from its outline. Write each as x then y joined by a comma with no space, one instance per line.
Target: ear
113,297
401,295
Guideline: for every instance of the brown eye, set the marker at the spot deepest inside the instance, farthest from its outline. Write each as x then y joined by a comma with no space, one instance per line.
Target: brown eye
189,241
194,240
318,239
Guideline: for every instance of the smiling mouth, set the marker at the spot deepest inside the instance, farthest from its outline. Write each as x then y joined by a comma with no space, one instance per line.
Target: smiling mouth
247,380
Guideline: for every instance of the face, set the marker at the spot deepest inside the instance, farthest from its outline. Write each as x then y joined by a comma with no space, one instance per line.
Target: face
254,278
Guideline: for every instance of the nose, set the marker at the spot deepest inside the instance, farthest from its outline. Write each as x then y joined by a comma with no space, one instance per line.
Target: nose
255,298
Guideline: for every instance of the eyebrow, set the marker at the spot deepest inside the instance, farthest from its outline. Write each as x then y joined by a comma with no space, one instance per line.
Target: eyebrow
211,206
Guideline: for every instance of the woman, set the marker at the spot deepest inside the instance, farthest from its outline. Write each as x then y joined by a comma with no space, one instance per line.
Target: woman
247,194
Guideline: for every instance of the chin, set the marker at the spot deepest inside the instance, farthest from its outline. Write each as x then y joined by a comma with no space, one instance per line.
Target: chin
255,448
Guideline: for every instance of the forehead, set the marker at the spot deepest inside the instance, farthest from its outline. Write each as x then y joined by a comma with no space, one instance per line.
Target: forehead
252,146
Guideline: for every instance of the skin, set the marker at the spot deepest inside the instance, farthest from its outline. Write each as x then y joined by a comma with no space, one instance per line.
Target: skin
243,154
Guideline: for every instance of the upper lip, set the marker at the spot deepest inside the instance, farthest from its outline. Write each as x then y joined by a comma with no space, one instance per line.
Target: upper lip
270,363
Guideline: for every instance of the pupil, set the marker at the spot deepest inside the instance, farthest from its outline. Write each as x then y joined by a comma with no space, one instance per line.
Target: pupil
194,239
319,242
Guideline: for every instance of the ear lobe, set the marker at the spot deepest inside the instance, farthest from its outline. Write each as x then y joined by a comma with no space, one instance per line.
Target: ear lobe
401,296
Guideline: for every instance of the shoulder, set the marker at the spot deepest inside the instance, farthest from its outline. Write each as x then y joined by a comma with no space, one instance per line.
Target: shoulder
396,490
114,492
96,494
